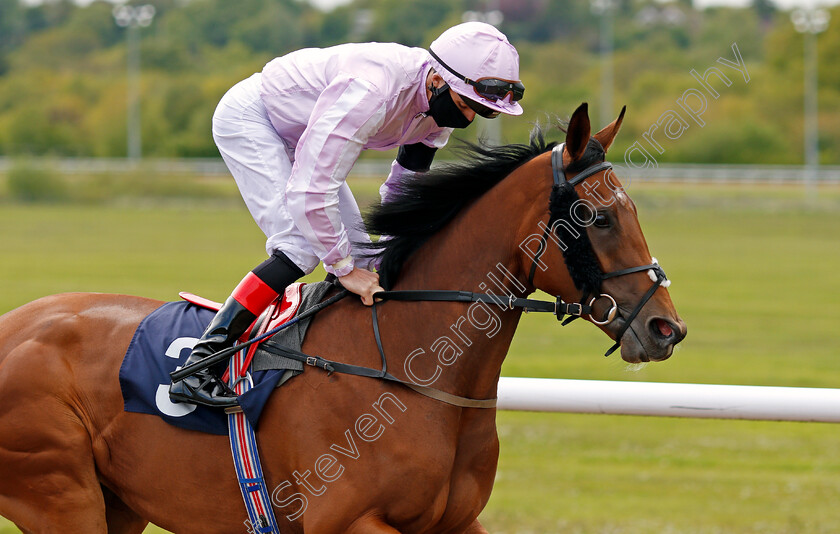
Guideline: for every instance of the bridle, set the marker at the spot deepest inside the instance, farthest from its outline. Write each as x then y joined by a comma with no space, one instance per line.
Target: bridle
563,185
559,308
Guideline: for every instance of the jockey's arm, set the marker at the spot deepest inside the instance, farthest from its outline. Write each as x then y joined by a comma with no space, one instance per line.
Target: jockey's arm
411,159
347,114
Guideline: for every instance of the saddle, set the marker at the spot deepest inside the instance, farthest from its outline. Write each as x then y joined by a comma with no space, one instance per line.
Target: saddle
278,312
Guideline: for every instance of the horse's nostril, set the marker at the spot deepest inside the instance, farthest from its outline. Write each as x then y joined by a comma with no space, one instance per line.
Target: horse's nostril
662,328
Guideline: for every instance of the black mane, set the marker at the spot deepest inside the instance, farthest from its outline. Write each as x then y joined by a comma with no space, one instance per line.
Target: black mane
424,205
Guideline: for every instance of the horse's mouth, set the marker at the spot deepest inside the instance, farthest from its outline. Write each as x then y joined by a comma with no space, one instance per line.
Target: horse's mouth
659,336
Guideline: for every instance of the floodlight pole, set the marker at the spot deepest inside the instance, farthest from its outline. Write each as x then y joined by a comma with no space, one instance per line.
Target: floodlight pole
605,9
809,22
133,18
135,138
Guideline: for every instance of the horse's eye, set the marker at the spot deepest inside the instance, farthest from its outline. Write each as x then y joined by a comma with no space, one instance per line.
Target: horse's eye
602,220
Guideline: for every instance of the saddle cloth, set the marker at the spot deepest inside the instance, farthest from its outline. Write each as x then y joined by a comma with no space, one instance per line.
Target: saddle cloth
163,341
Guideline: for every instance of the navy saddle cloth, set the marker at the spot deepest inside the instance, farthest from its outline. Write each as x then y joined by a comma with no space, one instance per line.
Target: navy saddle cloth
162,343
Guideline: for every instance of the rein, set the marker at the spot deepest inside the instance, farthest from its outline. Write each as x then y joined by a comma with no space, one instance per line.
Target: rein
558,308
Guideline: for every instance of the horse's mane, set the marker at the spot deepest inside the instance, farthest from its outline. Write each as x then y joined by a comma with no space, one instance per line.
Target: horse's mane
423,205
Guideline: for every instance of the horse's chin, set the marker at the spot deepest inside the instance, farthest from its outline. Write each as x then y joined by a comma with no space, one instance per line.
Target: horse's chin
634,350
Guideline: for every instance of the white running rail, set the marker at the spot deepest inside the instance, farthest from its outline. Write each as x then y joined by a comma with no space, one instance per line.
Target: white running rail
670,400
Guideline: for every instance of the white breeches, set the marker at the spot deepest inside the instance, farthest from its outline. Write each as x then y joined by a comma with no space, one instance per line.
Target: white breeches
261,163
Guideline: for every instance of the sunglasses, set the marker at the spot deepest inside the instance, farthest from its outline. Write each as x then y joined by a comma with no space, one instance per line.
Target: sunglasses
497,89
480,109
492,89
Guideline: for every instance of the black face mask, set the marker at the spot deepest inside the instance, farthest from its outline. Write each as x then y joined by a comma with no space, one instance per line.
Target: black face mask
444,110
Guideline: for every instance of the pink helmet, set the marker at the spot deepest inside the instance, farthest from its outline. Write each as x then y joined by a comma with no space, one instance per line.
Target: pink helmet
479,63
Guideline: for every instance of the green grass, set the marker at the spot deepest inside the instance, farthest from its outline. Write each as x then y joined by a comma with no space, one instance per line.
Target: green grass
754,277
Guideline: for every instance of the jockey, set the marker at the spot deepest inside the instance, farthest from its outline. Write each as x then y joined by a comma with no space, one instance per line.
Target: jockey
291,134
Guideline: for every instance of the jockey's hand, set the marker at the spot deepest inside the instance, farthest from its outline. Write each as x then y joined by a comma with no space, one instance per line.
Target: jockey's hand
363,283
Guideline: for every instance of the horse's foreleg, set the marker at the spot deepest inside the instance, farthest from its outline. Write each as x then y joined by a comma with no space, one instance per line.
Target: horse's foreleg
476,528
120,518
376,526
371,525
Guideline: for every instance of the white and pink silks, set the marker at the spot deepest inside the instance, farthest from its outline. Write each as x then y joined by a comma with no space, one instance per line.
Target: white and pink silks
291,134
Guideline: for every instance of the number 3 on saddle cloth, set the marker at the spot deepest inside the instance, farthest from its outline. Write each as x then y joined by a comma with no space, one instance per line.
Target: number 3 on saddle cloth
162,343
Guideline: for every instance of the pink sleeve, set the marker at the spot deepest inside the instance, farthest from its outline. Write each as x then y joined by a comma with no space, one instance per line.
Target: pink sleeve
347,114
439,138
397,176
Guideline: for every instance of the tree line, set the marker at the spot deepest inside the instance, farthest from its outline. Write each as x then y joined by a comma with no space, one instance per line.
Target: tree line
63,70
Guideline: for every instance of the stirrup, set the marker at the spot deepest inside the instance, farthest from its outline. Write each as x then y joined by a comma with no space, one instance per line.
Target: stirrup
207,387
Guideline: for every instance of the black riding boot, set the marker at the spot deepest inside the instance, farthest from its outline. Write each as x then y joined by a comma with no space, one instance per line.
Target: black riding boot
205,387
253,295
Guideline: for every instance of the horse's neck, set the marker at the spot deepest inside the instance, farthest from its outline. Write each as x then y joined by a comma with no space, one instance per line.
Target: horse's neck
476,252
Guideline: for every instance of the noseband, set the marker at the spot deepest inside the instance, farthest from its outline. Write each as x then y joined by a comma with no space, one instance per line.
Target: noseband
587,263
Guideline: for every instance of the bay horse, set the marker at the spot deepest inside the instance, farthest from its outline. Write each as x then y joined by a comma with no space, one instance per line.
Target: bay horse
343,454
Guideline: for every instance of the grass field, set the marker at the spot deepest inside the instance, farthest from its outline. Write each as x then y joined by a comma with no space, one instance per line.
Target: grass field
754,273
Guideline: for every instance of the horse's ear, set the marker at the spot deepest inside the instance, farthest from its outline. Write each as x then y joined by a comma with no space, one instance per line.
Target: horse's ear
606,136
578,131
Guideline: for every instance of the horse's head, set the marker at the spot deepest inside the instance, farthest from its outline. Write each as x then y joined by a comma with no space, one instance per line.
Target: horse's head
592,249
